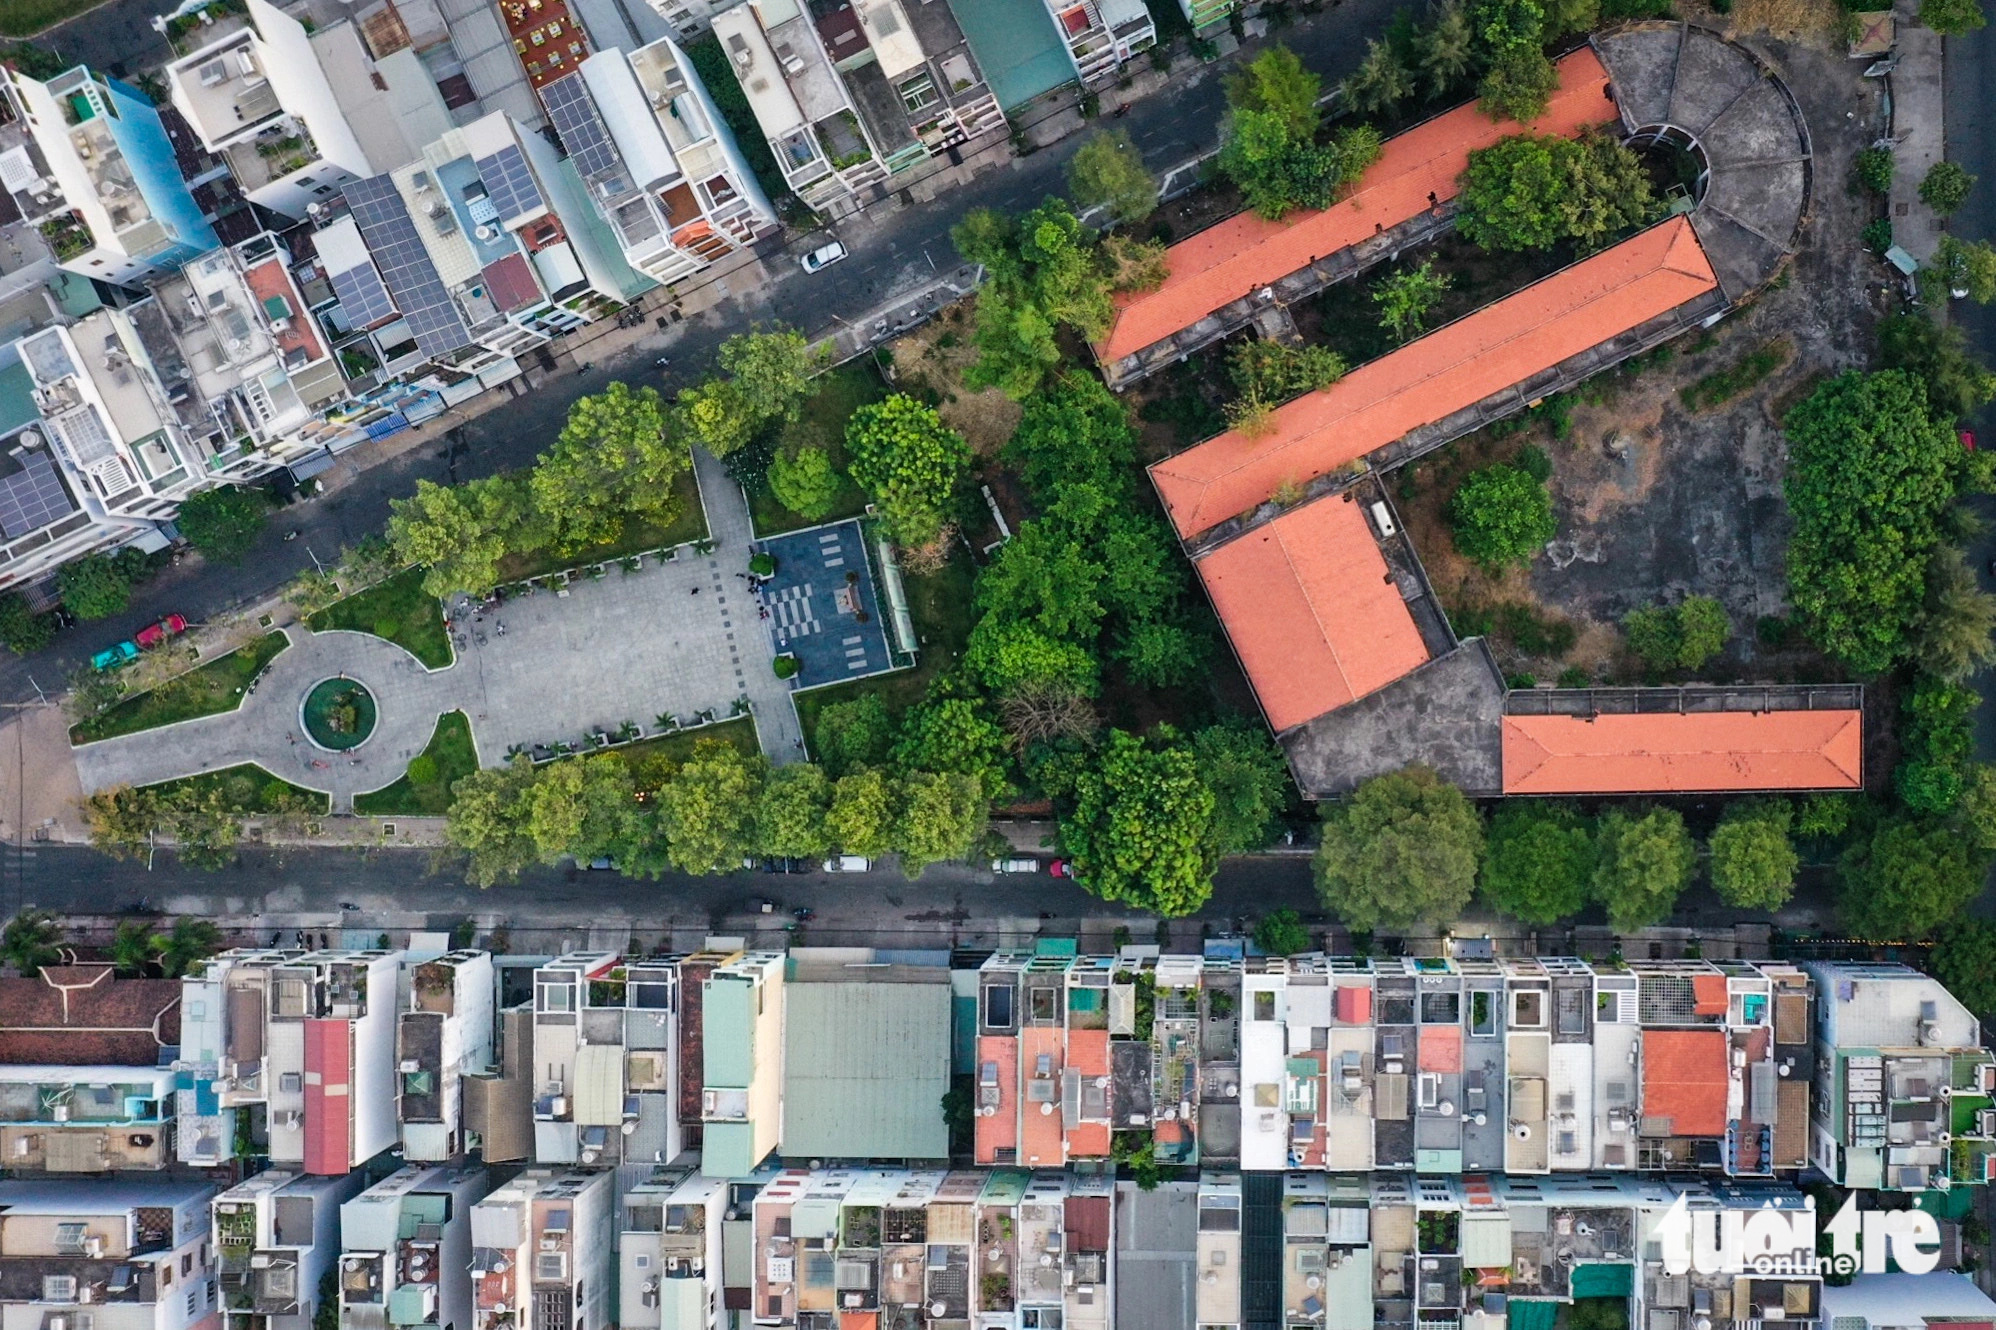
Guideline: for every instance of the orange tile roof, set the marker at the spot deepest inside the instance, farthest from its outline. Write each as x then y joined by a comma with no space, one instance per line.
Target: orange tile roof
1686,754
1040,1134
1708,994
1088,1051
1244,253
1441,1048
1000,1131
1312,612
1684,1080
1451,368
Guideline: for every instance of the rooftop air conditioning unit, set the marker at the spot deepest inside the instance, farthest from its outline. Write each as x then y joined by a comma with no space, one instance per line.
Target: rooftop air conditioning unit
1383,519
213,72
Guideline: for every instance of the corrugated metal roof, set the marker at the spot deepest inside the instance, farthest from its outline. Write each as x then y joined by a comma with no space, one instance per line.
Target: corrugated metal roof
328,1096
599,1085
865,1068
727,1031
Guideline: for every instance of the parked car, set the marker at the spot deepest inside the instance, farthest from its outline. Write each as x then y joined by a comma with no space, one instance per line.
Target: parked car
824,256
1015,865
849,863
1968,439
110,658
157,634
1061,868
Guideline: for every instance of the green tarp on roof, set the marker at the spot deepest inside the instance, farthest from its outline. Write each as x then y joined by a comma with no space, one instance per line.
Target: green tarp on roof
1531,1315
1604,1280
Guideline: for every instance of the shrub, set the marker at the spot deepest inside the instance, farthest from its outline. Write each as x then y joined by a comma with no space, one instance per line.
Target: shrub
1946,187
1873,169
1501,515
1877,234
786,667
422,770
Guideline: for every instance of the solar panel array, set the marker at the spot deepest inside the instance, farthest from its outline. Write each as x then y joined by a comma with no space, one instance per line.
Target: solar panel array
32,497
362,296
509,183
581,128
405,265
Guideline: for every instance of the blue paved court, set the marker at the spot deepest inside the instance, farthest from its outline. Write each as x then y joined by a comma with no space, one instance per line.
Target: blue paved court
822,580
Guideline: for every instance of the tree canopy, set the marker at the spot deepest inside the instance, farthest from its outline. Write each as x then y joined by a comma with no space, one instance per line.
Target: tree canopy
1501,515
909,461
1538,861
1108,172
223,523
1532,192
1870,475
1964,959
1644,863
1403,850
620,453
1753,860
1910,878
1278,84
1250,783
98,586
462,532
1140,825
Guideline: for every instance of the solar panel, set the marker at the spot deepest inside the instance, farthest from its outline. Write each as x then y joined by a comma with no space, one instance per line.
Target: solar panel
32,497
581,128
509,183
405,266
362,297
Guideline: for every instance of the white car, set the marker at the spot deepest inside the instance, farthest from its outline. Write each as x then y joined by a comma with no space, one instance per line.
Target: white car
849,863
1015,865
824,256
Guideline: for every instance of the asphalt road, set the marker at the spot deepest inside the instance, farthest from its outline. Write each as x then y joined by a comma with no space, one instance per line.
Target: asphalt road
892,252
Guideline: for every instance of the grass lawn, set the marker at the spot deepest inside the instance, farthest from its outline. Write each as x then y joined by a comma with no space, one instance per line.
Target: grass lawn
943,607
691,524
651,761
25,18
398,610
215,687
450,756
250,789
841,392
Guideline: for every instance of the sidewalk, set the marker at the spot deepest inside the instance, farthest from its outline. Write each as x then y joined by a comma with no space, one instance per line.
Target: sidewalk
1919,122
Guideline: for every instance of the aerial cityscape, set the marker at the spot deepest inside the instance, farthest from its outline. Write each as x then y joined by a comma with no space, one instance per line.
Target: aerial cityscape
997,665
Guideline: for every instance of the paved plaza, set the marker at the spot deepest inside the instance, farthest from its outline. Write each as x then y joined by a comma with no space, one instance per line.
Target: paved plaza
822,605
679,638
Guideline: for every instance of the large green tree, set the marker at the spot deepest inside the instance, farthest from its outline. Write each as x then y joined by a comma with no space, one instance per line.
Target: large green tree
941,816
1538,861
909,461
223,523
853,734
1870,475
1644,863
1402,850
1501,515
1964,959
861,817
1532,192
1753,860
22,630
98,586
1277,172
1952,18
463,532
487,821
1277,83
955,736
707,810
1250,784
620,454
1109,173
1140,825
790,812
805,482
1938,353
1044,270
1909,879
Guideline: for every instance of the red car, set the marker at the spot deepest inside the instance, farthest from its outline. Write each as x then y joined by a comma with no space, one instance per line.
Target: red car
1968,439
156,634
1061,868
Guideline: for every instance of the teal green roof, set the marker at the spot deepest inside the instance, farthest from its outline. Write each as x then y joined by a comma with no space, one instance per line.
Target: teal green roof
405,1305
424,1207
1004,1187
76,295
17,398
727,1032
1604,1280
865,1068
727,1149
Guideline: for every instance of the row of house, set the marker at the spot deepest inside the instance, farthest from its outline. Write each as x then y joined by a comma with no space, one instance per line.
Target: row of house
449,1138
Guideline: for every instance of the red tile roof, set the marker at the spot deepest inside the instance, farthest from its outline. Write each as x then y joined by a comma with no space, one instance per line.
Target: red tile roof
1685,1081
1415,169
510,281
1708,993
1313,614
999,1131
1441,1048
1451,368
1684,754
328,1097
1354,1004
1086,1221
84,1016
1041,1139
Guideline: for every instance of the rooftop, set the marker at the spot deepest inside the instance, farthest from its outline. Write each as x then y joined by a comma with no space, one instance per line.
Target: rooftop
85,1015
1498,347
1683,753
1685,1083
1416,170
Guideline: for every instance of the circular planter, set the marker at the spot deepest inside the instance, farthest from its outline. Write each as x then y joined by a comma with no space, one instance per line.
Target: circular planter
338,714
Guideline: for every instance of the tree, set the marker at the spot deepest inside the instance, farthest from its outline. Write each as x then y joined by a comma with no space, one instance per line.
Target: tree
790,814
1538,861
189,943
861,818
1957,635
1006,656
487,821
1753,860
956,737
619,453
1281,933
1975,811
1076,433
773,371
1531,192
1250,784
1381,81
1403,850
1043,271
1109,173
1044,576
1508,25
853,734
1824,816
1501,515
1140,824
1946,187
462,532
909,461
1910,878
223,523
1405,297
1684,636
1447,48
1957,383
1142,573
1870,473
1644,863
1951,18
805,482
135,948
1132,264
707,810
1277,173
1968,267
1157,653
1047,711
1964,960
1274,372
1518,85
941,816
99,585
31,940
1277,83
21,629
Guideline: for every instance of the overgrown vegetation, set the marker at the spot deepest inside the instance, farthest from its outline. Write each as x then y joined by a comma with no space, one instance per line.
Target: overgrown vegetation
399,610
215,687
